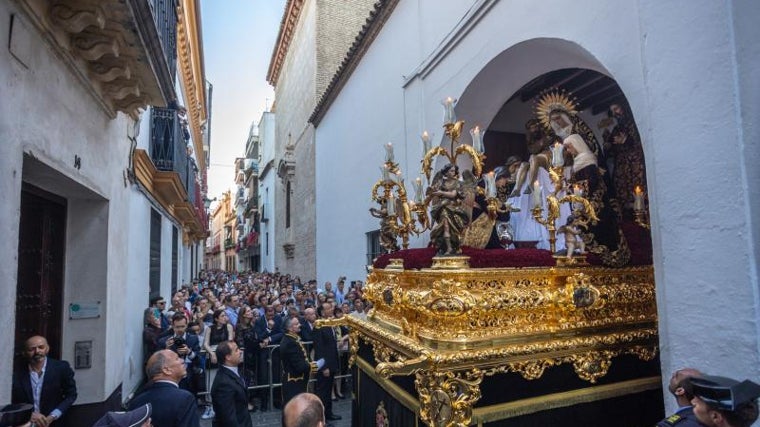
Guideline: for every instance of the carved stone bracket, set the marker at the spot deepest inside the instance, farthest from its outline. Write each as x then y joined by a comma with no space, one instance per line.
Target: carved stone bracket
106,40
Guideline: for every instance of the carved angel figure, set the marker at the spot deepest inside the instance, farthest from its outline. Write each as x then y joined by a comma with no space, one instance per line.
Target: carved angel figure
448,208
387,233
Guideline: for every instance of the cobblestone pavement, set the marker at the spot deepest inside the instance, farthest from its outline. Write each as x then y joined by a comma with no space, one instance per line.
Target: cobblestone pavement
272,418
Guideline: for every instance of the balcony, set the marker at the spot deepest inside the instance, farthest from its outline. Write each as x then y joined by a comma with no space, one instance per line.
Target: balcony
168,174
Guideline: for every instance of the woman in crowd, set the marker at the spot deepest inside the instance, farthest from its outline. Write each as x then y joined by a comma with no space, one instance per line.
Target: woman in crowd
247,340
220,331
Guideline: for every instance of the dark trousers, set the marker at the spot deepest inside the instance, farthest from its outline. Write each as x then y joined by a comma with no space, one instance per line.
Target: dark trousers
292,388
324,390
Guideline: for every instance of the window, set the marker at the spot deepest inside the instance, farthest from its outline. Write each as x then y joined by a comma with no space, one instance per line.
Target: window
175,252
373,246
267,243
154,277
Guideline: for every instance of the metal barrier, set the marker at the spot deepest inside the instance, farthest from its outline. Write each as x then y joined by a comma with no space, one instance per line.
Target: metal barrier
269,384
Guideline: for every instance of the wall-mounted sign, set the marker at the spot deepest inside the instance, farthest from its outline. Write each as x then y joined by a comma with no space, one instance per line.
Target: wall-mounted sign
84,310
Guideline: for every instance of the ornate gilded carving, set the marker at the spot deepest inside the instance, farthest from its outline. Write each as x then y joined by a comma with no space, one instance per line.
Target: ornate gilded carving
446,398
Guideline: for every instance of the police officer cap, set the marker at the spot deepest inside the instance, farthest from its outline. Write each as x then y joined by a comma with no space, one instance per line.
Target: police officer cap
725,393
133,418
16,414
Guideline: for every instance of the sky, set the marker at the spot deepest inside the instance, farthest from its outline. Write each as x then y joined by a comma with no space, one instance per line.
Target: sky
238,38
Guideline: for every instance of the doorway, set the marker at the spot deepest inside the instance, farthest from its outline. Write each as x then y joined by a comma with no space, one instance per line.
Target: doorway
41,255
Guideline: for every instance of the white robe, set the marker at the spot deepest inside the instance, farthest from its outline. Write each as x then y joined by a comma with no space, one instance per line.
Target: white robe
525,227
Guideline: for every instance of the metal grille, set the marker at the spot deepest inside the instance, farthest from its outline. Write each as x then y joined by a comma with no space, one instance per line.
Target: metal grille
165,14
167,143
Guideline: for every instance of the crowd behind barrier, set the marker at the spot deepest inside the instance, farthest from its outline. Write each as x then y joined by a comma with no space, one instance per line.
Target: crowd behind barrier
251,309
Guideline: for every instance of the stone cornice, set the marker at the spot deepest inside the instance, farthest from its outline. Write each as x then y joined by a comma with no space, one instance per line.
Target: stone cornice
111,46
284,37
192,73
377,18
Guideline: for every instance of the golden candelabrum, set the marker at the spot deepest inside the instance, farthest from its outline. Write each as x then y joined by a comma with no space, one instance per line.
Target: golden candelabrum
581,207
399,216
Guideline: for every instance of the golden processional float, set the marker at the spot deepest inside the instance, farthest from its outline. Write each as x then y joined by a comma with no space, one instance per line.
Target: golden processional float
459,336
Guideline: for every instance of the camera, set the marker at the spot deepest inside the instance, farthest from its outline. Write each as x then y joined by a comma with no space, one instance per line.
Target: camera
178,342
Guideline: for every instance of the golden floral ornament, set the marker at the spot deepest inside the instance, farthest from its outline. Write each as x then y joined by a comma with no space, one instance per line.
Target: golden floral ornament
447,398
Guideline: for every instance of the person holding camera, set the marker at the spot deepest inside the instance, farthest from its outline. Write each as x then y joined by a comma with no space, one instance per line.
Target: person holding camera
186,346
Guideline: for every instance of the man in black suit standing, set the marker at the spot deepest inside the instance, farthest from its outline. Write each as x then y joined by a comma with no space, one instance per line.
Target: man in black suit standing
295,362
187,346
46,383
326,347
172,406
269,330
228,393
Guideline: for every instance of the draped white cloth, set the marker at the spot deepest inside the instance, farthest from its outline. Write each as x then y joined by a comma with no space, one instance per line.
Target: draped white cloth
525,227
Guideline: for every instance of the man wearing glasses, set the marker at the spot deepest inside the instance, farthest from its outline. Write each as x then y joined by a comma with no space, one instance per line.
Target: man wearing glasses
159,304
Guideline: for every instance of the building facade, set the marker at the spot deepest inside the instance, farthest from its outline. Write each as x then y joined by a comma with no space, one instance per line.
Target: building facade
267,194
249,254
93,189
684,69
314,37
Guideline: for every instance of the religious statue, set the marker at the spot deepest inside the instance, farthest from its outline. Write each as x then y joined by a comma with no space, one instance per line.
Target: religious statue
387,232
625,148
556,112
538,143
490,227
447,208
603,238
572,237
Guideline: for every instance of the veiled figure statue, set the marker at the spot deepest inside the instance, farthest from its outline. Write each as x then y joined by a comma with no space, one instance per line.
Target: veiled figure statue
449,208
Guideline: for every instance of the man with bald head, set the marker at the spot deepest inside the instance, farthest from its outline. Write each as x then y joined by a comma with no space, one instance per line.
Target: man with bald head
304,410
681,388
172,406
44,382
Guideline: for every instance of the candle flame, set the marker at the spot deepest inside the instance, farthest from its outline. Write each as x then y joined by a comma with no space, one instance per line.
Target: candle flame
638,190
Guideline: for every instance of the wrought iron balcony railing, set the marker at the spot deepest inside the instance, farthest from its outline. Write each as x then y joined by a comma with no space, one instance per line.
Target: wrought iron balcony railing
168,148
165,15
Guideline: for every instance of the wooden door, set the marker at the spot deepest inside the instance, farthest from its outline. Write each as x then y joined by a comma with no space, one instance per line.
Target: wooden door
41,250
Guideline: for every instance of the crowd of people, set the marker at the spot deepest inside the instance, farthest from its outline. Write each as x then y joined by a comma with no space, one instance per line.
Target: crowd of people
271,318
251,331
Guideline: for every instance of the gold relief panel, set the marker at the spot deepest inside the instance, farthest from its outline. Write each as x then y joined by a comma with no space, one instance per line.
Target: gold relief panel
501,303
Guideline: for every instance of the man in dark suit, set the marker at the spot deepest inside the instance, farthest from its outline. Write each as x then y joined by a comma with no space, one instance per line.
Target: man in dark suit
326,347
228,393
187,346
46,383
295,362
172,406
307,325
269,330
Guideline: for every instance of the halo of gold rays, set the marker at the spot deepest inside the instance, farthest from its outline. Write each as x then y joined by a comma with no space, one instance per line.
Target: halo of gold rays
553,100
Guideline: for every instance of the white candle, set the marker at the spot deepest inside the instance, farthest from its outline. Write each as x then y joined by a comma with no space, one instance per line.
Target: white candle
558,158
448,110
638,199
425,142
536,194
477,139
385,173
490,180
391,205
418,190
389,152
